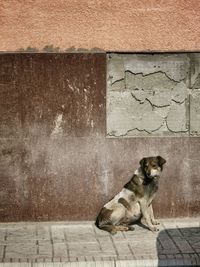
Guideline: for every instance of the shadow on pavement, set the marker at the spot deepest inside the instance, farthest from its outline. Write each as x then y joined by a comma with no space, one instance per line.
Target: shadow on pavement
179,247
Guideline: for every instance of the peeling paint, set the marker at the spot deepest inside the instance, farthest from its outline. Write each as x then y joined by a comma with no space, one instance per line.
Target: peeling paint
58,125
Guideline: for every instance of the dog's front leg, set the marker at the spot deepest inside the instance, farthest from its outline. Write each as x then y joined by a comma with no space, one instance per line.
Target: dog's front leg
153,220
146,216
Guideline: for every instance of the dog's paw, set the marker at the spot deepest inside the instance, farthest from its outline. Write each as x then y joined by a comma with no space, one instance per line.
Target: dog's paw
154,228
131,228
155,222
113,232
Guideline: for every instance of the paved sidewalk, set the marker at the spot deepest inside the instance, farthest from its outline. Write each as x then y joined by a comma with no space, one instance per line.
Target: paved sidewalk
82,244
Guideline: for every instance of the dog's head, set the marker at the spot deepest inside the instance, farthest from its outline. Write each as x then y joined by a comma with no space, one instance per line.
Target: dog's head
152,166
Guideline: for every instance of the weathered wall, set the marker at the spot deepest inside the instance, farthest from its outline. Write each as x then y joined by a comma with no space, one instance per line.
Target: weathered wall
55,160
145,25
153,94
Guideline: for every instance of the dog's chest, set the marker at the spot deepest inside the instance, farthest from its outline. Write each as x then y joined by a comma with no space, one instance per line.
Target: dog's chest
151,188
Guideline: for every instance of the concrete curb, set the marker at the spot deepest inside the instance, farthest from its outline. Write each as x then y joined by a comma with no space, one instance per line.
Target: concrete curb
187,260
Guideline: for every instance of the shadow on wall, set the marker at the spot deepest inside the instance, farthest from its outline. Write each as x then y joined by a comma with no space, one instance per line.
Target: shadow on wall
179,247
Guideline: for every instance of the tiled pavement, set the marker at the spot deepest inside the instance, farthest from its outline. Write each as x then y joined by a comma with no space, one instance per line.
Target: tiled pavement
82,244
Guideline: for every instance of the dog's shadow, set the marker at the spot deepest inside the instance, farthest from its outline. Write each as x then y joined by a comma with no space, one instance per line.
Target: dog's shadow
179,247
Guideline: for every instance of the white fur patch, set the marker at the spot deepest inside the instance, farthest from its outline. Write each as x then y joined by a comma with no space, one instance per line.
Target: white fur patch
124,193
155,172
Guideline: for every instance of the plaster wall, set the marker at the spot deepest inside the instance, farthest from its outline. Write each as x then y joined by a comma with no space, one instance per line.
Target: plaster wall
146,25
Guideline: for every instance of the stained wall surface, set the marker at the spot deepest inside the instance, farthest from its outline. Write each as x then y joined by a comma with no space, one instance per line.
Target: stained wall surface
145,25
55,160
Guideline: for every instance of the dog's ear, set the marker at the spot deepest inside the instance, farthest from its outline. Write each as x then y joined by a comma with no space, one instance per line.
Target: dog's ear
143,162
161,161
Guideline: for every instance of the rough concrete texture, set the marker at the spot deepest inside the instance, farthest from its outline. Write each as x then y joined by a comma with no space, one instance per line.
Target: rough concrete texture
195,95
176,118
165,83
195,113
171,25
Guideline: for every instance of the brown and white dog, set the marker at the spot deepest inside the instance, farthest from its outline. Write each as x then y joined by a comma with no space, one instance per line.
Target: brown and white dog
134,202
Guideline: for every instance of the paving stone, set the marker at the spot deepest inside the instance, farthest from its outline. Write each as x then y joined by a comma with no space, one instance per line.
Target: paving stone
19,233
60,250
1,251
43,232
20,250
16,264
2,233
86,248
58,232
45,249
177,246
82,233
123,249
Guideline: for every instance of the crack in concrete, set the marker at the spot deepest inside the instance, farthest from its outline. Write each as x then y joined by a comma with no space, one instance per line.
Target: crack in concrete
116,81
156,72
153,105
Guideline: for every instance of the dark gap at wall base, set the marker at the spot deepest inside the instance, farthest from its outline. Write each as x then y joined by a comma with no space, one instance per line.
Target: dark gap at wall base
56,162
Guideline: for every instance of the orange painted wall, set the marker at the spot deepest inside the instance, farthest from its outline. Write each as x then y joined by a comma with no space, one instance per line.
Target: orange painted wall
110,25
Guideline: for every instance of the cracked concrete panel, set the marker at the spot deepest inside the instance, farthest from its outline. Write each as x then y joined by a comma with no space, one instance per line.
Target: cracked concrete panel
118,86
175,66
115,68
195,113
195,70
148,82
139,95
160,97
125,101
162,111
177,119
149,122
149,94
156,87
123,112
119,122
179,92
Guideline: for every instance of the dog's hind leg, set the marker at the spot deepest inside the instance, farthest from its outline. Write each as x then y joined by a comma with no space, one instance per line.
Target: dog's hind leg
113,229
109,228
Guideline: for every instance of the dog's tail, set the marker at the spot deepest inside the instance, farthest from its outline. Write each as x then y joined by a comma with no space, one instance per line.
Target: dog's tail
97,222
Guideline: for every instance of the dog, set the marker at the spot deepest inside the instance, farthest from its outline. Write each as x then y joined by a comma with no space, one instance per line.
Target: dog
134,201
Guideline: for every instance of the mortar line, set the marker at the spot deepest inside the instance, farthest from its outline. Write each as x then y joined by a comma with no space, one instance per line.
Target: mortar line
170,237
4,247
66,244
189,126
51,239
185,239
37,241
131,250
97,239
114,246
